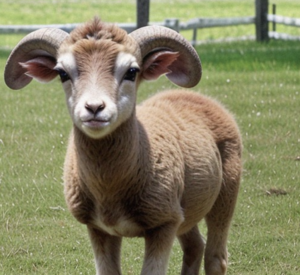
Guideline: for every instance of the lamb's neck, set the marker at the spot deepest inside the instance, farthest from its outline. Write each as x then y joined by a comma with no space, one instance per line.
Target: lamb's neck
112,159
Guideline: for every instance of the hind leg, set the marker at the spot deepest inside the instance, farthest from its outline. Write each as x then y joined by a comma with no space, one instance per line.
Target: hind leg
219,218
215,259
192,245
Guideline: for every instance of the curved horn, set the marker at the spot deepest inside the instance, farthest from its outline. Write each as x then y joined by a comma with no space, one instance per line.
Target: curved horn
43,42
186,71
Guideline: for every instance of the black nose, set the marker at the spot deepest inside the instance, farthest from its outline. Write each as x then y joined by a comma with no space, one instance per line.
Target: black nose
95,107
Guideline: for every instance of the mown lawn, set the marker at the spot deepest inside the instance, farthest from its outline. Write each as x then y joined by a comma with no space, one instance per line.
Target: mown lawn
259,83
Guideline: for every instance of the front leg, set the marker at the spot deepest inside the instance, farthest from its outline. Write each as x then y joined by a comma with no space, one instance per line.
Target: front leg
158,242
106,252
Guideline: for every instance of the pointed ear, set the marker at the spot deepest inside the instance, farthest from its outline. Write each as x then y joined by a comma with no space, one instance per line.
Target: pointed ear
40,68
158,63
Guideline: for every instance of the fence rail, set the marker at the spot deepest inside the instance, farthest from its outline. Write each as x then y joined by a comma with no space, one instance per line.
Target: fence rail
202,23
288,21
25,29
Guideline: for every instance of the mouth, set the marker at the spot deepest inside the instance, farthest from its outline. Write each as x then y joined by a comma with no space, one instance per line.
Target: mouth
96,123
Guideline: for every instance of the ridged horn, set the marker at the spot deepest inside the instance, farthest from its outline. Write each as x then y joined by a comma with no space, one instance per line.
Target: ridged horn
43,42
186,71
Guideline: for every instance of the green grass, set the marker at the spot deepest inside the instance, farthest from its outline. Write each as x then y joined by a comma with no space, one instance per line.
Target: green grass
259,83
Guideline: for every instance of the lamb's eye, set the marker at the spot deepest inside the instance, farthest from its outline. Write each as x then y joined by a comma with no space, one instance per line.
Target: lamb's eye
131,74
63,75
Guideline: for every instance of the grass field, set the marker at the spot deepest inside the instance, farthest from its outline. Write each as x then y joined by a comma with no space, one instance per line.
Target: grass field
259,83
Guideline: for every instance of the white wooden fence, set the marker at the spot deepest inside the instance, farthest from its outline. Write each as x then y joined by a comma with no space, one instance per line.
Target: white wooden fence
261,20
287,21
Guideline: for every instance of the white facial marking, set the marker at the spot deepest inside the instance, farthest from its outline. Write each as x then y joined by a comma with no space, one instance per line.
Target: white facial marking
67,62
127,89
124,62
95,124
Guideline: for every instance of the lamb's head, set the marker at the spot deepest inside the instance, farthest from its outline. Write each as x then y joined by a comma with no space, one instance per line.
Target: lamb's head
100,67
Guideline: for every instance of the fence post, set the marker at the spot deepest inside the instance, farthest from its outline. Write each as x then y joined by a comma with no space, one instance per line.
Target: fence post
172,23
261,20
142,13
274,13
